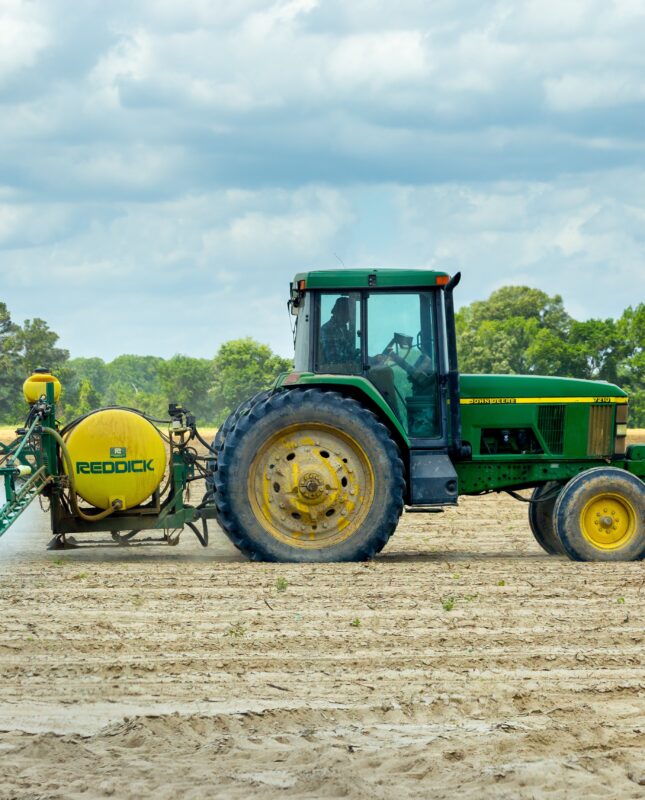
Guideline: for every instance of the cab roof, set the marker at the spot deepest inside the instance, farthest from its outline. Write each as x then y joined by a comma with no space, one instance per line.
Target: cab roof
364,278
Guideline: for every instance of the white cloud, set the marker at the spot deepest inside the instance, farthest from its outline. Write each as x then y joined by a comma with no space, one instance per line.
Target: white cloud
278,19
158,149
378,60
571,93
583,240
23,36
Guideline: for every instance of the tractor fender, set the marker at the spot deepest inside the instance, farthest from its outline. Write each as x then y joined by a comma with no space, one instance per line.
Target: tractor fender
354,386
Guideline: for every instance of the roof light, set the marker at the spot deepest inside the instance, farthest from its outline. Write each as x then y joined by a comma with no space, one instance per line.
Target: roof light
302,285
442,280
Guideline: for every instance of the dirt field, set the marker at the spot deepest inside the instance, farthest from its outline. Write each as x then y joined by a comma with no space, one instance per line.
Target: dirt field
463,662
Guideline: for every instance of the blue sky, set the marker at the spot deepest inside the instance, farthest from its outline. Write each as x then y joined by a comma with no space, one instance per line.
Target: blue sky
166,167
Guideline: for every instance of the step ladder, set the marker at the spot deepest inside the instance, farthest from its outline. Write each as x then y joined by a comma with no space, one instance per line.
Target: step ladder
10,512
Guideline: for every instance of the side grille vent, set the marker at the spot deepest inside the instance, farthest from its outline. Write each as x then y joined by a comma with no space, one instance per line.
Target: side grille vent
551,425
600,438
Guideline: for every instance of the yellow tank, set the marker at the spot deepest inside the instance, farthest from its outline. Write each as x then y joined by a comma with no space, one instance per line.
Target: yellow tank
35,385
116,455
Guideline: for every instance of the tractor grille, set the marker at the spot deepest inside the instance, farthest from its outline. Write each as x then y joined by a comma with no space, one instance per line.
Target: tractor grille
600,430
551,425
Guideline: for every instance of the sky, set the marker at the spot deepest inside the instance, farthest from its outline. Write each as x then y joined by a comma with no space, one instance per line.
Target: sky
166,166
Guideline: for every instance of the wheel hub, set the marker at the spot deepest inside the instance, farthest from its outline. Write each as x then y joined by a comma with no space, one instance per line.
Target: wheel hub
311,486
608,521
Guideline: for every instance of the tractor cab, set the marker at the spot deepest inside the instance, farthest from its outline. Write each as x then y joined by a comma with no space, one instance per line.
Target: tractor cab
385,326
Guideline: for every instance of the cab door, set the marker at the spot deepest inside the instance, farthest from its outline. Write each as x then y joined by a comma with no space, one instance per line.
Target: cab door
405,360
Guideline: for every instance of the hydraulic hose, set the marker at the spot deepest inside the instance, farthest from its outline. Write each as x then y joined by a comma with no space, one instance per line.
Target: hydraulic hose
116,504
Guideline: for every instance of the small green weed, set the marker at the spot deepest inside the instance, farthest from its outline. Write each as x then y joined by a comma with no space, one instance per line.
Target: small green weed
448,603
236,630
470,597
80,576
58,562
281,584
502,582
456,576
355,623
620,601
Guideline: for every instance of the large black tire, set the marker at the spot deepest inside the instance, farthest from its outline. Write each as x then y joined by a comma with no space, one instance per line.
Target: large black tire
541,519
231,420
600,516
309,476
218,444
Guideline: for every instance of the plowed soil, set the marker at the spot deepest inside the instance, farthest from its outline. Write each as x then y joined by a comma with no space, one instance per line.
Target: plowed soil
462,662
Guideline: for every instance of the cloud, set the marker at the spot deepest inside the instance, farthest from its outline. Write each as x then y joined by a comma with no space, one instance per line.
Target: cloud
23,36
203,261
375,60
156,155
583,241
571,93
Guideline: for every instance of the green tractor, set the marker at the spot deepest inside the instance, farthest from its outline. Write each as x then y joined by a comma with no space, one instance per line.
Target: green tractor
374,419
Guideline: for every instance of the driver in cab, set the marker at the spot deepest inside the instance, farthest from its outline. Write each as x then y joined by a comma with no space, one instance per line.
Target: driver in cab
337,341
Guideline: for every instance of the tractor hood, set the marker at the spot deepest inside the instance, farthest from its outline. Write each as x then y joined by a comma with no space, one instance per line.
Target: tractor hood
511,388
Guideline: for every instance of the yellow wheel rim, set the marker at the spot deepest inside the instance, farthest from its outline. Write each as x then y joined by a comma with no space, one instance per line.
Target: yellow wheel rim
608,521
311,486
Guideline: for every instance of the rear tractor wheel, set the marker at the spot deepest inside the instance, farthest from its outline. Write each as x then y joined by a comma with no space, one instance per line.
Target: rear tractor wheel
309,476
222,433
600,516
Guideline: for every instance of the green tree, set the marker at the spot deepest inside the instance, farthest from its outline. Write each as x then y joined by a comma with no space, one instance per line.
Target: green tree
11,382
88,398
92,369
186,381
496,335
36,343
631,368
134,381
242,367
591,349
30,346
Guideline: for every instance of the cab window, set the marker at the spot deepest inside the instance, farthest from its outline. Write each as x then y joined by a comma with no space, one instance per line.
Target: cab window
402,358
338,342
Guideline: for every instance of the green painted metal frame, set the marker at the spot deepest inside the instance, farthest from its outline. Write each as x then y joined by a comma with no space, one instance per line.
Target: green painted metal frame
39,460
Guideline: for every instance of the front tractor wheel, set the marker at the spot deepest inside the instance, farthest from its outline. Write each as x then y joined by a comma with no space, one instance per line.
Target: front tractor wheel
600,516
541,518
309,476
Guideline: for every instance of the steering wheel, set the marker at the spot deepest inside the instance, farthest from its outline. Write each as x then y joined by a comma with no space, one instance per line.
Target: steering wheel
416,372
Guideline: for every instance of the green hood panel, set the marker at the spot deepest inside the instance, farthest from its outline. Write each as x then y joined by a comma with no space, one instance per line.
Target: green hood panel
534,386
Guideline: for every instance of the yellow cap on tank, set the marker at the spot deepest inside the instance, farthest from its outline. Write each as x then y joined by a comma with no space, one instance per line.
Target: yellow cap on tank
35,385
116,455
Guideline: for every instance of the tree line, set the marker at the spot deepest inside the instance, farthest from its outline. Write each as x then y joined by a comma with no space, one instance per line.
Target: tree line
209,387
516,330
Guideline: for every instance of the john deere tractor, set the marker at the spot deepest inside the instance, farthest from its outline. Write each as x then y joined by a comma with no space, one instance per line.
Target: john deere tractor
374,419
